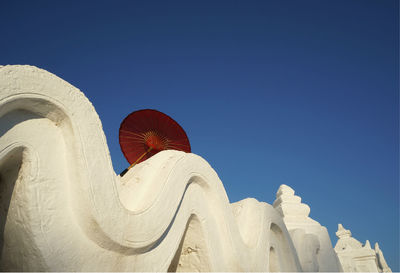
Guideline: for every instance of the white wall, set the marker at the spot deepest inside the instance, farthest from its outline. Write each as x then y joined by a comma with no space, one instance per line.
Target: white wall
64,209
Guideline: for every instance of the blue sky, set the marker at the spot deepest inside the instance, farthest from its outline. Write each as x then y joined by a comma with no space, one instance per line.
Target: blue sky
303,93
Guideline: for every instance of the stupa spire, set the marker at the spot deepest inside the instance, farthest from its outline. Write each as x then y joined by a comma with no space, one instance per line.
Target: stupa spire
342,232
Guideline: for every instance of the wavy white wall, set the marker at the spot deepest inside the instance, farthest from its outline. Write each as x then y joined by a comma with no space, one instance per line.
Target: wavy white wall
64,208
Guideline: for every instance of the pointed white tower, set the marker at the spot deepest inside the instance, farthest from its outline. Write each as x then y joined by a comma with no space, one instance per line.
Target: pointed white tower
309,237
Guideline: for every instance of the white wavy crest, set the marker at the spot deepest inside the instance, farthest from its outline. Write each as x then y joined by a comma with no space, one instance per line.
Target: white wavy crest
66,210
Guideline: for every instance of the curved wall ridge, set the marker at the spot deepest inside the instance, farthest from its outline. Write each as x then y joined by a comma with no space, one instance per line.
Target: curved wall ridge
64,208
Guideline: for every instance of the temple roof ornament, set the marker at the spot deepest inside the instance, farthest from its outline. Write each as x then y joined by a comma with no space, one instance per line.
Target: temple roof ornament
342,232
291,208
356,257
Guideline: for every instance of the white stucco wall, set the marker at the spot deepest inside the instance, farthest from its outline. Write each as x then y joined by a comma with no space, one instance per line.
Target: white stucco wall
63,208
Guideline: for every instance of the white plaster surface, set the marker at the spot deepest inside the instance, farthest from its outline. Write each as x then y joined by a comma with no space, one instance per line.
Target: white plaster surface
356,257
63,208
312,240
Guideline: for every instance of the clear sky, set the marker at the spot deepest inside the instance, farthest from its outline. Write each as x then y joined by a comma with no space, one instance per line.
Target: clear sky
303,93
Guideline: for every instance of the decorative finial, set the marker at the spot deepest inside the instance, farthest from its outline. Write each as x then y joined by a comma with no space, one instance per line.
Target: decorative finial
290,205
342,232
284,190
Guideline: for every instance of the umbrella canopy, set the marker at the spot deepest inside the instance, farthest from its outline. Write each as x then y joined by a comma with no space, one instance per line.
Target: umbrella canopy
146,132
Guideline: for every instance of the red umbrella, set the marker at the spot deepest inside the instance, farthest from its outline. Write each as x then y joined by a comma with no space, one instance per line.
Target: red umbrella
146,132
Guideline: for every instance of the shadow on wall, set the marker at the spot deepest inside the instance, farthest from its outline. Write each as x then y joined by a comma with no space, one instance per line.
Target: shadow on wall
13,197
281,258
192,254
273,261
10,166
